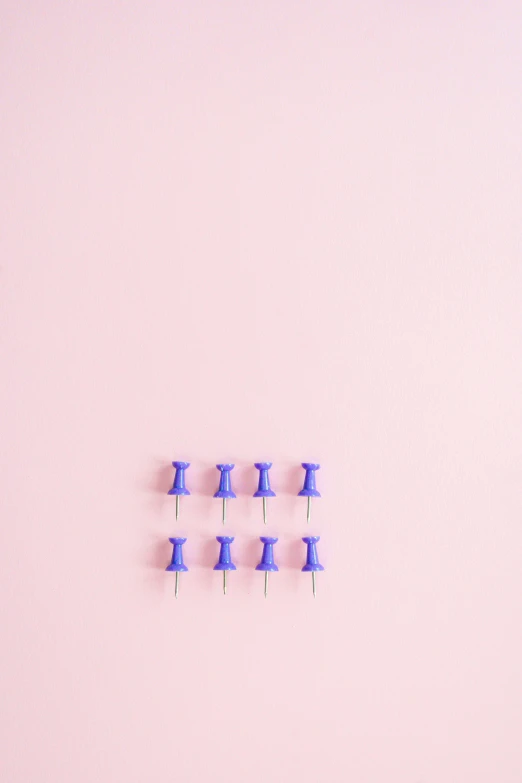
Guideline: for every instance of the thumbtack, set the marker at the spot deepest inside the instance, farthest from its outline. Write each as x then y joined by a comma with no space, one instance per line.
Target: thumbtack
312,561
225,563
178,487
267,558
177,563
225,487
263,489
309,491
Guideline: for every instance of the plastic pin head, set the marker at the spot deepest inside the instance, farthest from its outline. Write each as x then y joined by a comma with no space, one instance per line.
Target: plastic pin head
263,490
225,487
178,487
177,563
225,563
312,560
309,491
267,563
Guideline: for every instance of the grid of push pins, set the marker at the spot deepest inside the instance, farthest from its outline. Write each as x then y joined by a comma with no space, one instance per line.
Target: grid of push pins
264,491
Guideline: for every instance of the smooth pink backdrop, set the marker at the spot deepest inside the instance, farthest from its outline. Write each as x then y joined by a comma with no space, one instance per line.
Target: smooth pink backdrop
236,231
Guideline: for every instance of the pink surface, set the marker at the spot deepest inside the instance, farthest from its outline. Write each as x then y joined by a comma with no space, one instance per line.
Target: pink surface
239,231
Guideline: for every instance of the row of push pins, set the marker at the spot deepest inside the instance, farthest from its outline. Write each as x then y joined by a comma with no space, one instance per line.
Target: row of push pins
264,490
267,563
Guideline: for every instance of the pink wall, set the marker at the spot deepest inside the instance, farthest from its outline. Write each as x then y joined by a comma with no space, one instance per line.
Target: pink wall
233,231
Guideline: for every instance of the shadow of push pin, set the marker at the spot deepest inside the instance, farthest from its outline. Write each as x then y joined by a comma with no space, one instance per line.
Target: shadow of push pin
309,491
177,563
263,489
225,563
178,487
267,558
225,487
312,561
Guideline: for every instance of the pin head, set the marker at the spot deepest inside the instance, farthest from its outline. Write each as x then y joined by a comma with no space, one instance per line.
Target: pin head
225,559
225,486
312,559
177,563
264,490
178,487
309,490
267,558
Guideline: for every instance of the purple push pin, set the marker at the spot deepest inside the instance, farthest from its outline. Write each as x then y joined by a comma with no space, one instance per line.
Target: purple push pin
178,487
267,558
309,491
312,561
177,563
225,487
263,489
225,563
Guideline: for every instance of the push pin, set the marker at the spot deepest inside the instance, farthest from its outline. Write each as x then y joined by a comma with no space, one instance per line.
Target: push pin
179,488
267,558
177,563
225,487
312,561
309,491
225,563
263,490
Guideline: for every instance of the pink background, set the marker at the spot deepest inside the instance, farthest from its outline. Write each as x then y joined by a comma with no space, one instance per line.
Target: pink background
236,231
